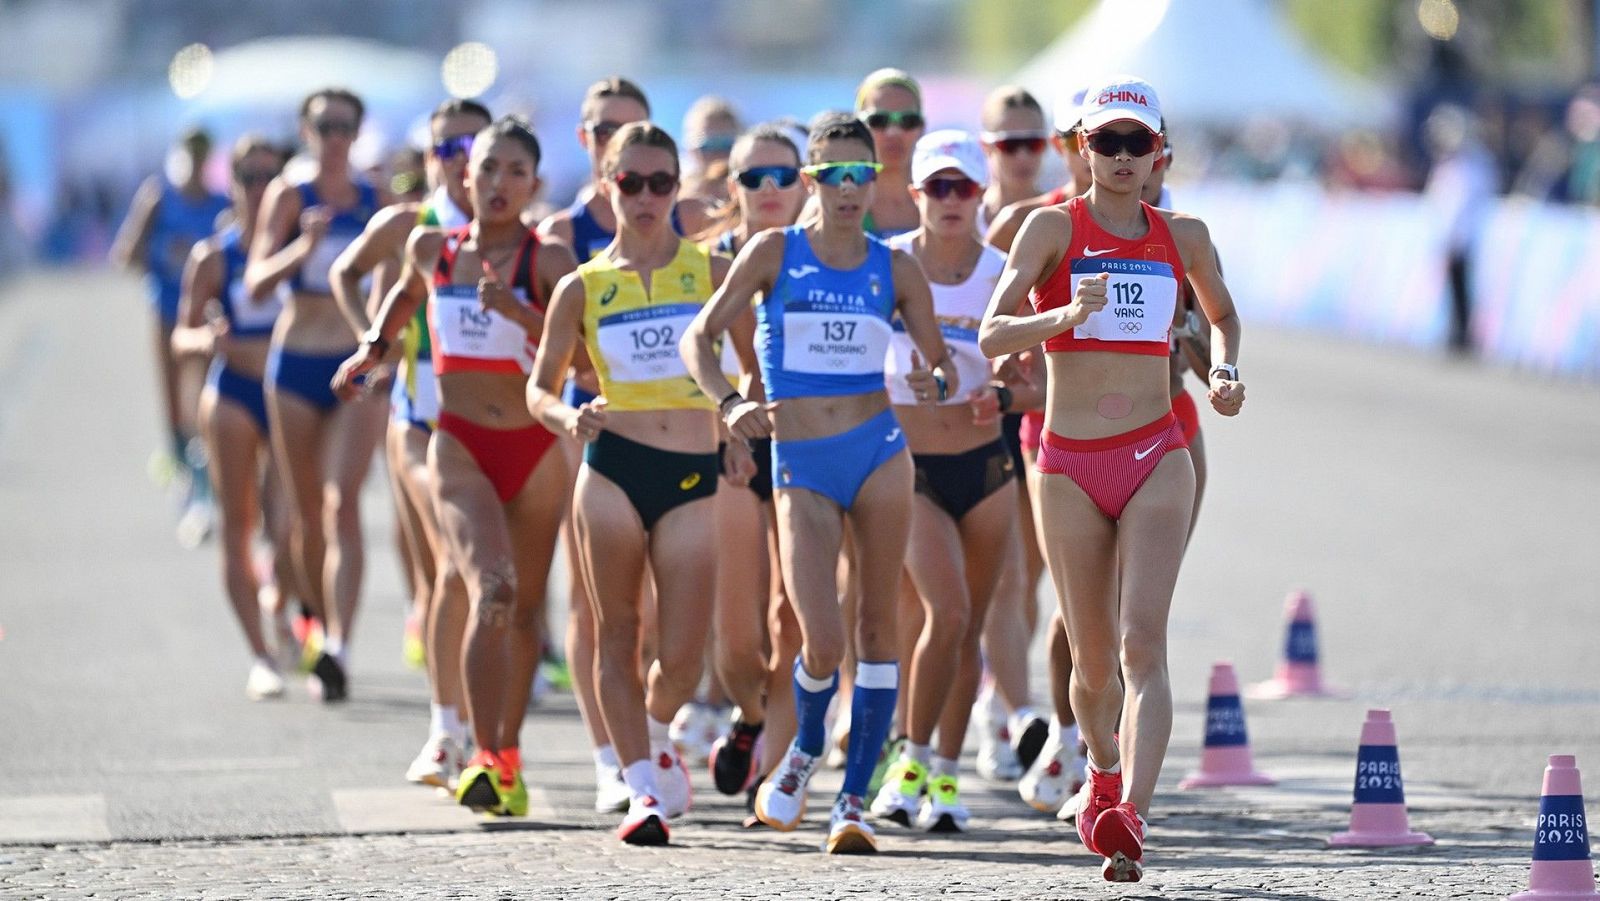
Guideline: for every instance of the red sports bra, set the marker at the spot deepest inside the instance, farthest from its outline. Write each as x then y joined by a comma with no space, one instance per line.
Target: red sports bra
1142,291
465,337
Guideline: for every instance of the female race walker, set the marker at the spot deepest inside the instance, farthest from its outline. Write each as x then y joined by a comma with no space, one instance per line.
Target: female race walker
963,518
498,488
1118,485
323,445
649,468
233,410
764,184
828,293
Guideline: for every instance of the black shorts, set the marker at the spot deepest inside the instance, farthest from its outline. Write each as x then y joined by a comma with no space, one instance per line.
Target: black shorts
958,482
656,481
1011,434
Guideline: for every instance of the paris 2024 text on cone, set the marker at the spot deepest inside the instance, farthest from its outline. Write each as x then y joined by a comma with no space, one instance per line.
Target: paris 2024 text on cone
1378,816
1225,759
1299,673
1562,869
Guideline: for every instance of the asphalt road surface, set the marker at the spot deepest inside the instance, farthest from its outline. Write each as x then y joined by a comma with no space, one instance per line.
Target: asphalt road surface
1445,517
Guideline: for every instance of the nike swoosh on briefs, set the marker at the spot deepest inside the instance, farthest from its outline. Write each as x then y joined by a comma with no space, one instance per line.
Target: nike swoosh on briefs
1140,455
1095,253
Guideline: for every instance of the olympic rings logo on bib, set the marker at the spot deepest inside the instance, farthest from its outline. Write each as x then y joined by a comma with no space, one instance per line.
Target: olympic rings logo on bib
1137,292
1131,327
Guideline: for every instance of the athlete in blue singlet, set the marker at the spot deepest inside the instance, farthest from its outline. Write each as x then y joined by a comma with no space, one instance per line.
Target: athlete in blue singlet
324,445
168,217
838,455
233,410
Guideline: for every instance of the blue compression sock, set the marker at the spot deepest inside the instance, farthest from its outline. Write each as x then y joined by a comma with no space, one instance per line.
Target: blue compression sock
811,699
871,715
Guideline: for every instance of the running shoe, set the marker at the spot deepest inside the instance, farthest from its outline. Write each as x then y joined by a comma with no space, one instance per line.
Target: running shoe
693,730
479,788
672,781
733,758
997,762
781,800
413,649
644,823
327,680
1080,773
513,793
1119,838
892,750
163,468
198,521
1102,792
439,763
942,810
901,795
1046,784
1029,732
264,682
556,673
848,830
308,637
611,794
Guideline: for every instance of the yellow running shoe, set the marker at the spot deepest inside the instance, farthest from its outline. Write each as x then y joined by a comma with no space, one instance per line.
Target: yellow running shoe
513,794
479,788
412,648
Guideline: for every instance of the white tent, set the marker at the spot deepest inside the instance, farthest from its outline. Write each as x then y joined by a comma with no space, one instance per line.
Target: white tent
1213,62
281,71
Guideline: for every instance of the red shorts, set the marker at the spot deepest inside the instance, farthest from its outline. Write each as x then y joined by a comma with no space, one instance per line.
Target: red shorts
1111,470
1032,428
1188,415
506,456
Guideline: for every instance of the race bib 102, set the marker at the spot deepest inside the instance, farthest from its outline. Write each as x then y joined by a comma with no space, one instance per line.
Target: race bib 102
642,345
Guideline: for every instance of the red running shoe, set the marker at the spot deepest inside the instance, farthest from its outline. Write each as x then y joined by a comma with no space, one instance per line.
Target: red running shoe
1119,838
1101,793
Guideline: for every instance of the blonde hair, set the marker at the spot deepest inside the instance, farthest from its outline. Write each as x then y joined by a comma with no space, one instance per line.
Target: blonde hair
886,77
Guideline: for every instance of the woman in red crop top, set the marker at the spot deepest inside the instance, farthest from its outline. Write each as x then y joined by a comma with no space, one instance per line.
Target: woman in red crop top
499,491
1118,485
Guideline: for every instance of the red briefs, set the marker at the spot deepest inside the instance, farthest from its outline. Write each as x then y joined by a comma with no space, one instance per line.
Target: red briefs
1032,428
1188,414
1111,470
506,456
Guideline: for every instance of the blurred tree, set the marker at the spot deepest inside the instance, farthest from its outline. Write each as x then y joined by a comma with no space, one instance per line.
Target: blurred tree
1003,34
1358,35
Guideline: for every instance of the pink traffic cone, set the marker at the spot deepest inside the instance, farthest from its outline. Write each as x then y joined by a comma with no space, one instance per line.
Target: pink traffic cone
1299,675
1225,759
1378,816
1562,869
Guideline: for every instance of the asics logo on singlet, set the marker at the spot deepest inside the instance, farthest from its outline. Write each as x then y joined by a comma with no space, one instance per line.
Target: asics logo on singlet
609,295
800,272
893,434
1095,253
1140,455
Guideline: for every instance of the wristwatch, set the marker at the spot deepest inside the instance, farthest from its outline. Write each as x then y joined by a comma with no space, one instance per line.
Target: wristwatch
1228,370
376,341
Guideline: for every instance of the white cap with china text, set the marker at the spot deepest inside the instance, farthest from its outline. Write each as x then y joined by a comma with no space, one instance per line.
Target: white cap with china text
1122,98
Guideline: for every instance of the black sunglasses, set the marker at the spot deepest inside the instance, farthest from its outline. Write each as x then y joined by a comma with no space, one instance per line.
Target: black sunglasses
910,120
603,130
660,183
940,188
449,148
782,176
1110,143
251,178
1013,146
330,127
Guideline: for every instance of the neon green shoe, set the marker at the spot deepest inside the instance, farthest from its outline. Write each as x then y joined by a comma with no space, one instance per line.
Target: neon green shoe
412,648
513,796
942,810
902,791
479,788
557,673
891,752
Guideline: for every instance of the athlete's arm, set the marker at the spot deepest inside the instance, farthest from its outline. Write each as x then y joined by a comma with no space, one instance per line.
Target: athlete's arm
398,308
694,215
755,270
914,299
130,250
557,227
202,281
1194,242
1038,250
384,238
273,257
563,326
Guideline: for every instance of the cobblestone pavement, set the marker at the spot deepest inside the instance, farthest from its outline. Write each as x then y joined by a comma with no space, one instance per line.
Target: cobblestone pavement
1444,517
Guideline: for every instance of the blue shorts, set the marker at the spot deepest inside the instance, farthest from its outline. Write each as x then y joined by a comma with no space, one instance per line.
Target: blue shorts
402,408
575,397
242,390
837,466
306,376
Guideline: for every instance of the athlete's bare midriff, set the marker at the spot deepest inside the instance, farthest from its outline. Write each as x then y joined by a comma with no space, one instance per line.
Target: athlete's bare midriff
491,399
804,418
313,323
679,431
1085,385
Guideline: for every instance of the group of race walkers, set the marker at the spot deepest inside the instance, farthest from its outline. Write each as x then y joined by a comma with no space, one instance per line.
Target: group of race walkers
810,421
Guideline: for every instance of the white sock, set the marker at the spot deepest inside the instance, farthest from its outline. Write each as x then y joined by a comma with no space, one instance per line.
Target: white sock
333,646
605,757
445,719
657,730
641,778
945,766
1114,768
920,753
